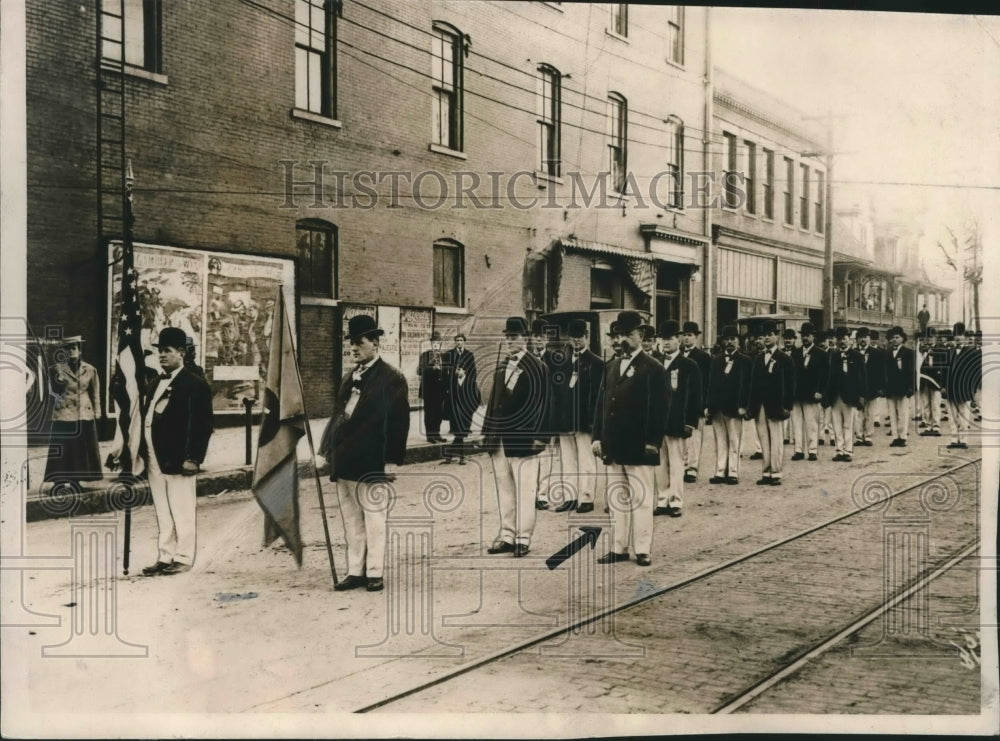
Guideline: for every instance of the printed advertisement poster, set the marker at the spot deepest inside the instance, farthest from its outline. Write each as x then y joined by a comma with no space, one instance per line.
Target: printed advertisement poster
414,337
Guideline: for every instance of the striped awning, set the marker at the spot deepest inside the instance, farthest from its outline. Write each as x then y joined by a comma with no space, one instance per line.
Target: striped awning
572,243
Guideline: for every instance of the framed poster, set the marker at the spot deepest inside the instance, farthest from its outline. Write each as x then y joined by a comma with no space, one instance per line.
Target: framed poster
415,327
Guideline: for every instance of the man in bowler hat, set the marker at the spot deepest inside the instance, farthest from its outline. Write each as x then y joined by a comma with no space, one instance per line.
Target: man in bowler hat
552,353
628,431
176,430
772,393
685,406
432,388
875,367
845,393
812,370
514,434
690,333
933,360
899,387
366,441
961,379
463,395
726,405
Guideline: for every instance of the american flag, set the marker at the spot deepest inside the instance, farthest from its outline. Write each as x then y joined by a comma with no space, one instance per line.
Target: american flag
129,380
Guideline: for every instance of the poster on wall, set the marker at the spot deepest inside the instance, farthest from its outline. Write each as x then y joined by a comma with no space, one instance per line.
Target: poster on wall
347,312
223,302
415,326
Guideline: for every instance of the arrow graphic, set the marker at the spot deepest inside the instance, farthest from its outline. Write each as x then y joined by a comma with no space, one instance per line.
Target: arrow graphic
589,534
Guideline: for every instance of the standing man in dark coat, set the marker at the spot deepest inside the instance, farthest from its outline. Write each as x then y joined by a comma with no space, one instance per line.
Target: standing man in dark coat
772,393
812,370
463,395
875,367
432,389
685,406
901,381
575,387
547,348
628,431
845,393
961,379
933,360
649,344
367,440
692,445
177,427
514,434
728,399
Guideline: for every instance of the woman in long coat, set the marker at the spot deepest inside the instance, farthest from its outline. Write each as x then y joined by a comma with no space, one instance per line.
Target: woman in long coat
73,451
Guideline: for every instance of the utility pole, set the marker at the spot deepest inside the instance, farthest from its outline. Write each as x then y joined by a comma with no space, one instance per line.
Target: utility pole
828,306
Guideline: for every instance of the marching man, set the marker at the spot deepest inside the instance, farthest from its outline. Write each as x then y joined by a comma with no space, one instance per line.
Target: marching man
728,398
772,393
899,387
692,445
845,393
812,366
685,406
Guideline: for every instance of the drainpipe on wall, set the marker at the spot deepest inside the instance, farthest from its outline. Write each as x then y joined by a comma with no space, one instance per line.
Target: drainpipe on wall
708,291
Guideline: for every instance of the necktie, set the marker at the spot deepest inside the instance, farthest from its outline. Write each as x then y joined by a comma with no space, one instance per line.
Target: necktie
164,376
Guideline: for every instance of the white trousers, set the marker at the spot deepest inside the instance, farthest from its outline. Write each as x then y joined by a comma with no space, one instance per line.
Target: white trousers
772,445
669,475
843,426
515,481
930,401
728,435
365,508
864,421
899,416
174,499
692,448
959,417
805,424
751,425
548,471
578,467
631,498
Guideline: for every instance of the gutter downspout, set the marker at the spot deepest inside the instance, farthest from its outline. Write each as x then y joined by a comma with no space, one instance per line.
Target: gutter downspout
708,279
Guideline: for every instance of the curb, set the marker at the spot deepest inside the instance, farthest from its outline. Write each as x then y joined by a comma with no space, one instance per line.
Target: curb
110,495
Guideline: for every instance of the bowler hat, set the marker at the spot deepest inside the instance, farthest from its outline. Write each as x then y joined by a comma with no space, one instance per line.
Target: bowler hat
768,326
435,336
613,329
669,328
841,332
538,326
862,332
730,331
894,331
629,321
970,333
788,334
648,333
691,327
874,334
808,328
362,325
172,337
959,329
516,325
579,328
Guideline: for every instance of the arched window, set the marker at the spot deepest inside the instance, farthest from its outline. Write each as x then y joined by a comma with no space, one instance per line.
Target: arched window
317,258
449,273
447,54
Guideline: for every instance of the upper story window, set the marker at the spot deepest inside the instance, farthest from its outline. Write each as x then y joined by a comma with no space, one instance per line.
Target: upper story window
316,57
750,175
789,191
675,160
549,120
768,184
139,21
316,241
449,273
804,198
447,79
730,181
820,200
619,18
617,143
675,33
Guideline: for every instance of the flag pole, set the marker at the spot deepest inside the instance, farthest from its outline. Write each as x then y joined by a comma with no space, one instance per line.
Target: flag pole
312,458
127,227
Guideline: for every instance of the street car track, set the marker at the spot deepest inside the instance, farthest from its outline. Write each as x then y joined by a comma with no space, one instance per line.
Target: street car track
759,687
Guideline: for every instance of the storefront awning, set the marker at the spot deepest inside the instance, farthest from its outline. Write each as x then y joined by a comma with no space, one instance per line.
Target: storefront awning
572,243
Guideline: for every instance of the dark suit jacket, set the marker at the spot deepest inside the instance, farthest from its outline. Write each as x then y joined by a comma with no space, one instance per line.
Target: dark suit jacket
934,368
685,403
632,411
573,408
875,369
728,393
516,417
704,362
812,377
359,446
964,373
900,373
848,385
772,385
432,381
182,421
462,400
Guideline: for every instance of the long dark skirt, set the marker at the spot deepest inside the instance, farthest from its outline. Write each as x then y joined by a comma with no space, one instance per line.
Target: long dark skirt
73,452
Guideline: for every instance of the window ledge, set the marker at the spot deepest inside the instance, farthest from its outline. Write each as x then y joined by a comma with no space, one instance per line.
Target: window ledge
749,215
543,178
447,151
616,35
787,225
450,310
303,115
553,6
137,72
317,301
767,219
672,63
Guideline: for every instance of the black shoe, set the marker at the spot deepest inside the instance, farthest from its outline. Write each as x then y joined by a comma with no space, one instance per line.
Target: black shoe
786,441
935,433
642,559
661,511
375,584
176,568
902,443
812,457
502,547
877,424
690,478
446,461
612,557
567,506
155,569
541,504
584,508
775,482
798,457
461,461
717,480
954,445
962,446
763,482
674,511
351,582
894,443
757,457
732,480
521,550
847,458
865,443
822,441
838,458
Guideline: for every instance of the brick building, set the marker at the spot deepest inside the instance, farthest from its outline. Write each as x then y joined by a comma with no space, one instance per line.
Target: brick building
440,164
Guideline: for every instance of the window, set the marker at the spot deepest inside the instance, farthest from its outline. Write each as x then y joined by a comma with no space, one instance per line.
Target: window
602,288
820,200
141,20
619,18
768,184
675,33
317,258
449,271
549,119
729,179
447,76
618,121
789,191
315,57
750,173
675,160
804,198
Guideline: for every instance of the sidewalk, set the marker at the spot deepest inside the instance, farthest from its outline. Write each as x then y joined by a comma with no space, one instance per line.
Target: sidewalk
225,469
